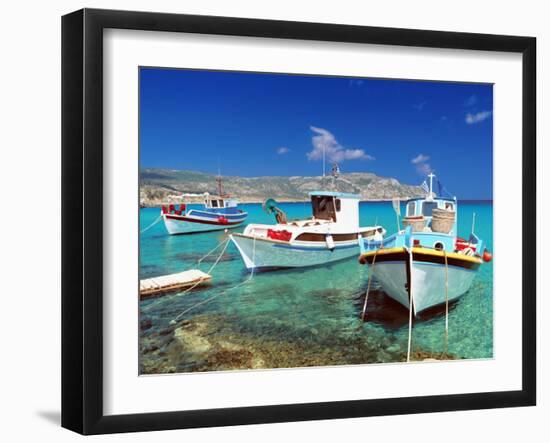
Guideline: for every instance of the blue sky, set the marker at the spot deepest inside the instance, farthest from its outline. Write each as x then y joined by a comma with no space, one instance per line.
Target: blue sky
276,124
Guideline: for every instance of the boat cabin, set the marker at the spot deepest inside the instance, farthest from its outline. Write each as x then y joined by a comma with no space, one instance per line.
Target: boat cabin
431,213
222,204
336,207
425,207
219,202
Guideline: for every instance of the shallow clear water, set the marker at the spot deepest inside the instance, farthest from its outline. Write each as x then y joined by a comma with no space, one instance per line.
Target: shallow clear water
301,317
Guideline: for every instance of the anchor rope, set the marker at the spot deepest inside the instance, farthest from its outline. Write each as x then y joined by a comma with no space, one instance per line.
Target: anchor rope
199,261
159,218
194,285
219,257
446,303
371,273
410,304
196,305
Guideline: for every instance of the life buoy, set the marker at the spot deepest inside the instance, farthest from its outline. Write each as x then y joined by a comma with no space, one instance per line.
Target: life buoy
182,207
222,220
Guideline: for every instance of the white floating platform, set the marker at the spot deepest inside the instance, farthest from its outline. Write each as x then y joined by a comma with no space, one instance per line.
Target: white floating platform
174,282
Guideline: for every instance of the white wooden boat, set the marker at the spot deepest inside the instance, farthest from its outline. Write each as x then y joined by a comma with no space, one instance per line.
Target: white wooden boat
330,235
218,212
426,264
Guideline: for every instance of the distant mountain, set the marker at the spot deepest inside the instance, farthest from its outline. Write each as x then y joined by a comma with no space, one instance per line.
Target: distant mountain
160,186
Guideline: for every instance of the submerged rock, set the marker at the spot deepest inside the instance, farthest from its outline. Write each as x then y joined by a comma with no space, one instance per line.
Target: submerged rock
211,343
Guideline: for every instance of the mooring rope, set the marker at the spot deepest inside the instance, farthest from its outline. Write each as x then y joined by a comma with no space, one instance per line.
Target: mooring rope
199,261
159,218
253,256
410,303
194,285
446,303
196,305
371,273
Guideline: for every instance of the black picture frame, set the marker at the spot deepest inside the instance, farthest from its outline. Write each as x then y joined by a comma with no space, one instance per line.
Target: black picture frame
82,215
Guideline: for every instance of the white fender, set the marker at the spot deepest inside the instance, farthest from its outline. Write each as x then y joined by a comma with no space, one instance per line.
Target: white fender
330,241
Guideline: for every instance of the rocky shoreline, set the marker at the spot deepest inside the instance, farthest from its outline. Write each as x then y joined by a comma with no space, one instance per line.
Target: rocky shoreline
209,343
162,186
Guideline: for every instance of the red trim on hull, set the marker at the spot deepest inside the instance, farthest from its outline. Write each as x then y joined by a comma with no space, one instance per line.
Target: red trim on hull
204,222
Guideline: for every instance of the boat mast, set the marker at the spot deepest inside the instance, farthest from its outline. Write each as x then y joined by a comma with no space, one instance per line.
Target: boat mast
219,180
323,179
335,174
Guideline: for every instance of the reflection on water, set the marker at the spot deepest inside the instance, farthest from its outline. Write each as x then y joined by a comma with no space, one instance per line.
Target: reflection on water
308,317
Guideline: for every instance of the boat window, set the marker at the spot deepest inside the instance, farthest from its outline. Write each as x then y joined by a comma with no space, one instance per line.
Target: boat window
410,208
449,206
214,203
220,203
428,207
338,204
323,207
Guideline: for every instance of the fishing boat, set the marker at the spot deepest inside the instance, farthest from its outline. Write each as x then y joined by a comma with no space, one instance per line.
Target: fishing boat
426,264
218,212
331,234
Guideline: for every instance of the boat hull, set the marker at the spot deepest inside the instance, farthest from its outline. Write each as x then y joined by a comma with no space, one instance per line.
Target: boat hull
429,277
264,254
176,225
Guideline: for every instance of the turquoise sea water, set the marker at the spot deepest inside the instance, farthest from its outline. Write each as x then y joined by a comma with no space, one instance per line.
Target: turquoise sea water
300,317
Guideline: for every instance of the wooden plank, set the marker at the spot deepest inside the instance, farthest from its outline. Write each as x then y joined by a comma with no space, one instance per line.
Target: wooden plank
173,282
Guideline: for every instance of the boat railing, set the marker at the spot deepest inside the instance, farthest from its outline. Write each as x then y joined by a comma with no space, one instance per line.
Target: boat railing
475,240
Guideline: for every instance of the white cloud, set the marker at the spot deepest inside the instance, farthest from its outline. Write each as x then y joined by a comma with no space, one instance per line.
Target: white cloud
334,151
470,101
283,150
421,164
478,117
420,158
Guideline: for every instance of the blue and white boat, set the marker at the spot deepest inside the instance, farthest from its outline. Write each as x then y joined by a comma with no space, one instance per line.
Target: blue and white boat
426,264
331,234
218,212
